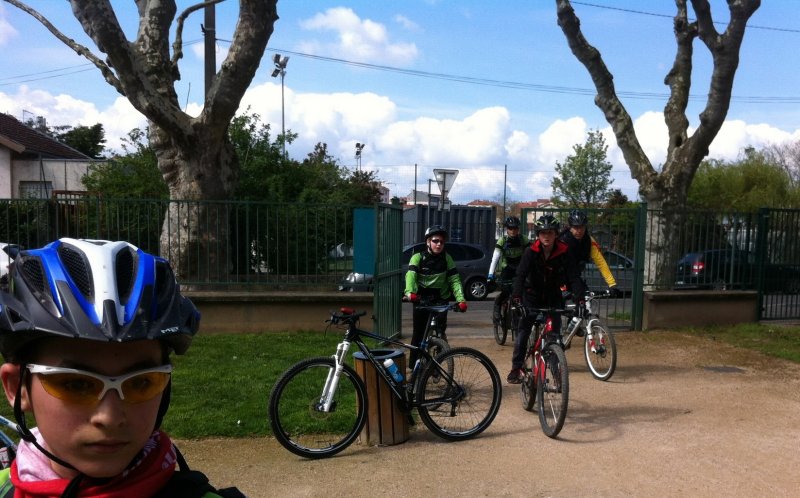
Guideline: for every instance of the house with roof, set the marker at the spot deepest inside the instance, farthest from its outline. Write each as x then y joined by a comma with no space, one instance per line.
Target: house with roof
35,165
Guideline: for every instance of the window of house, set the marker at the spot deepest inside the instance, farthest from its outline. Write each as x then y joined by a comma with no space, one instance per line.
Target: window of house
35,190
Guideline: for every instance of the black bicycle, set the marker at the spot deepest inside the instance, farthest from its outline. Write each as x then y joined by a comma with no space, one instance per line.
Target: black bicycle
509,317
318,407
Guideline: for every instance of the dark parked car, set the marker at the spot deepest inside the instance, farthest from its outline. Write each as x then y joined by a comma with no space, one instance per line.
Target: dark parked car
621,267
471,260
723,269
714,269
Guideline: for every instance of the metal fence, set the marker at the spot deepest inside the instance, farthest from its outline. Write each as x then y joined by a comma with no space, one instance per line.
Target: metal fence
269,246
310,247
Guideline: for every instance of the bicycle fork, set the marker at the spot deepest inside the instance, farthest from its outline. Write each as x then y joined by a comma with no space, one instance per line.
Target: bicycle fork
326,400
594,346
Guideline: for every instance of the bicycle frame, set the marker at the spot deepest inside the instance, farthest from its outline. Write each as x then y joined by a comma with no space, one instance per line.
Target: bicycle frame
354,336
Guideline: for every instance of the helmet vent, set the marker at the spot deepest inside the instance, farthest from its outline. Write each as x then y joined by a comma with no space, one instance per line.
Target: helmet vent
125,269
78,268
164,287
34,273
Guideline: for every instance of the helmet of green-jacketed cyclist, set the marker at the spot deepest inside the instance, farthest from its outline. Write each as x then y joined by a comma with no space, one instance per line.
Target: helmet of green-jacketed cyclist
97,290
511,222
435,230
577,218
546,222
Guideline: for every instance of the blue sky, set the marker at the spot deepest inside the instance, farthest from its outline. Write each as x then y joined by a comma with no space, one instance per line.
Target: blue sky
494,84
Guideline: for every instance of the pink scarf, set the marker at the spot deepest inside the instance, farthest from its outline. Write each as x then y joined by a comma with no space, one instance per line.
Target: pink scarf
33,477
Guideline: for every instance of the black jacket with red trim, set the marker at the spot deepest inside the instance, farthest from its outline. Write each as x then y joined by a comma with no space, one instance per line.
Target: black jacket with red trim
539,280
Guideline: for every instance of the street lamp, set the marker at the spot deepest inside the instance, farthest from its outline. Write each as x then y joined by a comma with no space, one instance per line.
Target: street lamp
280,69
359,148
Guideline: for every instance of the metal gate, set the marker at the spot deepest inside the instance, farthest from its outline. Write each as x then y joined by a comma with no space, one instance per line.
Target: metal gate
388,285
778,264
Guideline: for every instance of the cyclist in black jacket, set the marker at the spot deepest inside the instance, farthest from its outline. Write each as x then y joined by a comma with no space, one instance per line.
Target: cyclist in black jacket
546,265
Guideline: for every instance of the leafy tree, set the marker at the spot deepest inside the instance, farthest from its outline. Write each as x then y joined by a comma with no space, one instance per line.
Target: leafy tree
87,139
134,175
195,155
666,190
584,177
744,185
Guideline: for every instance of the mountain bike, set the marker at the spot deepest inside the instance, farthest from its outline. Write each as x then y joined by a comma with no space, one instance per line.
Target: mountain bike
509,318
599,346
545,378
436,338
9,434
318,407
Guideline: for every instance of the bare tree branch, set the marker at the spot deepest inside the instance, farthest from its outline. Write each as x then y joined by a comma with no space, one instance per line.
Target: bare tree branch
105,70
177,45
253,29
606,98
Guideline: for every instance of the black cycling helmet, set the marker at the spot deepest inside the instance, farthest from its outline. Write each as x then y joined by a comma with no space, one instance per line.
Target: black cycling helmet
511,222
97,290
435,230
577,218
546,222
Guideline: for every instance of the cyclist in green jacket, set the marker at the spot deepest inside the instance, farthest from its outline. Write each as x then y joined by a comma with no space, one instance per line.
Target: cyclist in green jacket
505,259
432,276
86,330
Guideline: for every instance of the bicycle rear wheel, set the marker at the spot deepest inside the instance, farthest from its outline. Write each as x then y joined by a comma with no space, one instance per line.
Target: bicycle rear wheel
552,390
600,353
462,405
297,420
501,327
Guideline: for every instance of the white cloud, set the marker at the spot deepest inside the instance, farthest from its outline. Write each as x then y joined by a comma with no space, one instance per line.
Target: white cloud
406,23
7,31
556,142
356,39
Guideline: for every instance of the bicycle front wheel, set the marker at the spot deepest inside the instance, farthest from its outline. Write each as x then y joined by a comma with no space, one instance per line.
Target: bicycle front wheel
552,390
464,404
528,385
600,352
297,419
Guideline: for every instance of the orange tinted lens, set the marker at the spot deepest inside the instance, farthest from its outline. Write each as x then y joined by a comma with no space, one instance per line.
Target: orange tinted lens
72,387
144,387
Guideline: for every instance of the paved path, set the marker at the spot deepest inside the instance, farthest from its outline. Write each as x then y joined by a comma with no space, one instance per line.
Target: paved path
682,416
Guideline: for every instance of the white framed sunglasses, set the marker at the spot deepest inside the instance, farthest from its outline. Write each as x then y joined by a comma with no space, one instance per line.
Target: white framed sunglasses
82,387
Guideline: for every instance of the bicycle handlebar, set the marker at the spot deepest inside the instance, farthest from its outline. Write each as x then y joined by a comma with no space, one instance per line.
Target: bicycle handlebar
345,315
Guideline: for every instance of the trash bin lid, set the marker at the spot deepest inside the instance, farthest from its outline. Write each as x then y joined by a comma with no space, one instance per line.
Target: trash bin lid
380,354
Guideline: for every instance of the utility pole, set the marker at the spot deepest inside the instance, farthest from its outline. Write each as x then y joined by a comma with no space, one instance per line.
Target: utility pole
209,28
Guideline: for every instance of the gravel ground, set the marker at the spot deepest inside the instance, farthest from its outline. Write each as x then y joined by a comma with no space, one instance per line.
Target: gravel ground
682,416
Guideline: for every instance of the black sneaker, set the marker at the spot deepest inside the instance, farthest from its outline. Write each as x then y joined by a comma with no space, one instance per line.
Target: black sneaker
514,376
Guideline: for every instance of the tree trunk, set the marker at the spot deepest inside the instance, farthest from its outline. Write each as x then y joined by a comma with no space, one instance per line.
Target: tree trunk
201,174
666,191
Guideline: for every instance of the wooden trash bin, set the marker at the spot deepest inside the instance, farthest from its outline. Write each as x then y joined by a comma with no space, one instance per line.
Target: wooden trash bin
386,423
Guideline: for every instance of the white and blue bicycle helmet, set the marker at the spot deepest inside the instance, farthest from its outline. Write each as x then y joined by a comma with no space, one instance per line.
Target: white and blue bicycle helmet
94,289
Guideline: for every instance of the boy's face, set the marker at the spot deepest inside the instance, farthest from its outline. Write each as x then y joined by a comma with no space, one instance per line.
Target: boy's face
547,237
102,439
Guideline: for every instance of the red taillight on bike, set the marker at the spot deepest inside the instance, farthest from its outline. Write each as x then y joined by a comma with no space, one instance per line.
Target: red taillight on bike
548,325
697,267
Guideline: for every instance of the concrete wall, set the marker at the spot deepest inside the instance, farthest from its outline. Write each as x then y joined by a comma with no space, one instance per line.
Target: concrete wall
665,309
232,312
